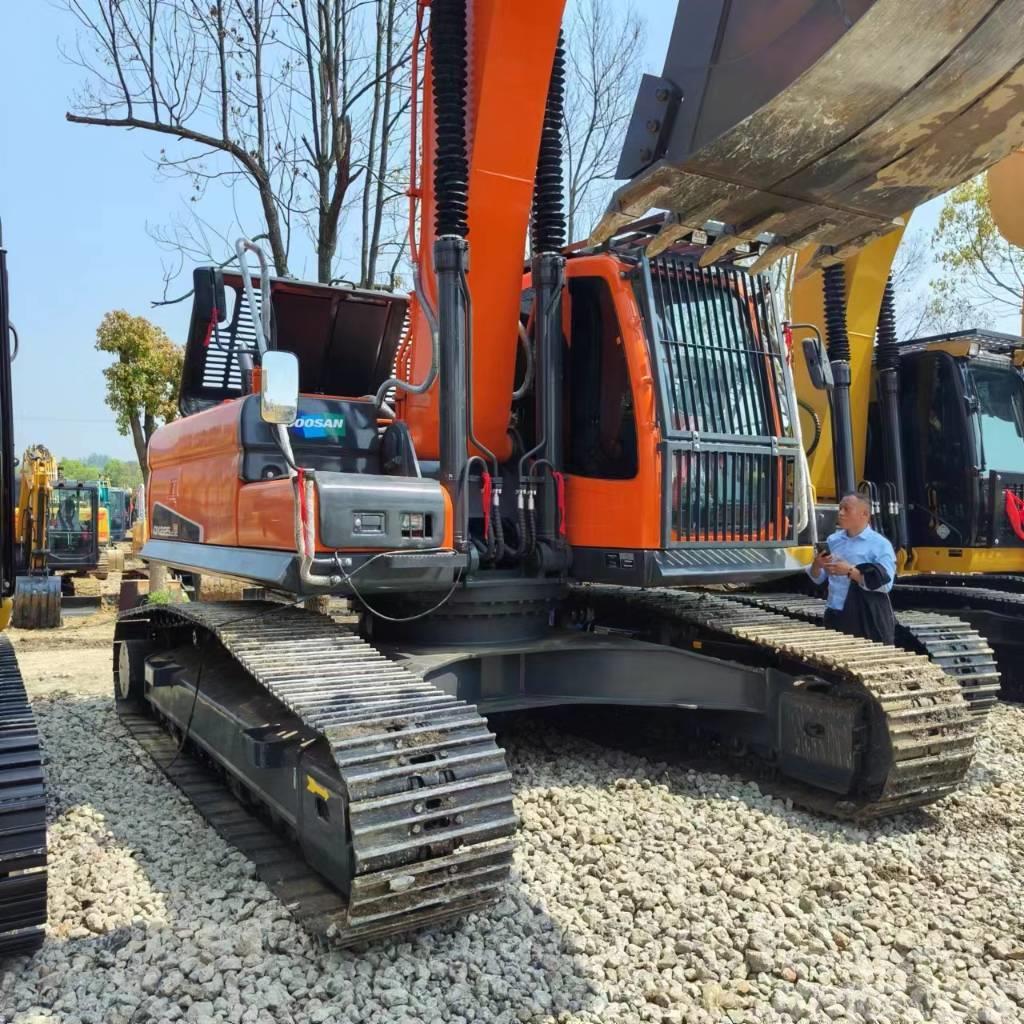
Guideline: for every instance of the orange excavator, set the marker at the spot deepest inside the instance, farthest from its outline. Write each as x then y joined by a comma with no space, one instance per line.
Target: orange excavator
523,475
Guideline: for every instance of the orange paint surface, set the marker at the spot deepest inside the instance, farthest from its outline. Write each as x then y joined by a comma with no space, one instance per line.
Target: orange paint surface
621,513
194,469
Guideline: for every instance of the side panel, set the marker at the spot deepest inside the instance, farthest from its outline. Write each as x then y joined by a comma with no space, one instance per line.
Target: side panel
194,467
266,515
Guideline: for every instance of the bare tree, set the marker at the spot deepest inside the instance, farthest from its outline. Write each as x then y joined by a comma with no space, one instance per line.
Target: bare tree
604,44
294,102
912,260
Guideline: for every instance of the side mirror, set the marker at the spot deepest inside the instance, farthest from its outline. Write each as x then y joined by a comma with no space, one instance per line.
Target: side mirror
818,367
279,388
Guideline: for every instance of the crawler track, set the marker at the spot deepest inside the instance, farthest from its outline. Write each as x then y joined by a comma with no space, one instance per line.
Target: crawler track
919,731
994,604
22,816
429,803
959,650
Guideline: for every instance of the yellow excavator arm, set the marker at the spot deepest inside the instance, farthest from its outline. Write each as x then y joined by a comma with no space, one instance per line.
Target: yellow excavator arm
37,594
38,474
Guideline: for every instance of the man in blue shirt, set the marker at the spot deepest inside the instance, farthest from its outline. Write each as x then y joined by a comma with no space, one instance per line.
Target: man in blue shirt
860,566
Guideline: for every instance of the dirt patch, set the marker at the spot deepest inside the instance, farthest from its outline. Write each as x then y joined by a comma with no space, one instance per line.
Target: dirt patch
96,630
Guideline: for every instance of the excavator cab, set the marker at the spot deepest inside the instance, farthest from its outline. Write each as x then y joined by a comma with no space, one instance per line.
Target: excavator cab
681,452
74,528
962,420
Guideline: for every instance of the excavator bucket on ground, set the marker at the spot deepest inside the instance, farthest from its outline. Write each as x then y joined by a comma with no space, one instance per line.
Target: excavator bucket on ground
809,122
37,602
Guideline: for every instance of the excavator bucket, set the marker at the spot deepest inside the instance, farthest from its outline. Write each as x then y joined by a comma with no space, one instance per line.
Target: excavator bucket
37,602
790,123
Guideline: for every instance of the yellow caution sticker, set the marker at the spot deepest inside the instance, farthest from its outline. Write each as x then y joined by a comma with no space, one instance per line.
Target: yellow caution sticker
316,789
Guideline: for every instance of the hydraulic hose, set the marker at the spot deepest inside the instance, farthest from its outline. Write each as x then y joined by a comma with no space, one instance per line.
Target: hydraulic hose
887,360
527,347
547,224
834,278
816,420
448,43
448,50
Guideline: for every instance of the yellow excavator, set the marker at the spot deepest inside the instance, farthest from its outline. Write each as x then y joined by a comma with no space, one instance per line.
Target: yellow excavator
932,430
22,785
37,590
61,530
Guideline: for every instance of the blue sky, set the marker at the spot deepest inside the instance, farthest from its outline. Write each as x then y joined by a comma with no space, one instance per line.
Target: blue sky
75,202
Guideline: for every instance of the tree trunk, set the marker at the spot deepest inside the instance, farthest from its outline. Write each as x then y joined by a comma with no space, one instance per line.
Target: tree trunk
277,249
140,441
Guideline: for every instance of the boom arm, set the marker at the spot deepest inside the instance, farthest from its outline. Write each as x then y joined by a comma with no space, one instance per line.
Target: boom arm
511,47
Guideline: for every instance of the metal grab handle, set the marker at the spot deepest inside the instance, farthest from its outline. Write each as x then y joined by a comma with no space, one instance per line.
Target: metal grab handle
261,325
17,340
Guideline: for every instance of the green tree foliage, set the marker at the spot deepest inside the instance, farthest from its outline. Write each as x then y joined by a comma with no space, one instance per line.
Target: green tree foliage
982,280
142,384
122,473
116,472
77,469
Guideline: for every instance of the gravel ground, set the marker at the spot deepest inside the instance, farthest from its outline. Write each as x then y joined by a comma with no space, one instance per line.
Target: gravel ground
643,892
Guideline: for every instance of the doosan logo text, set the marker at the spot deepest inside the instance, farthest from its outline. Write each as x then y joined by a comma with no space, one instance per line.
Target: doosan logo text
321,422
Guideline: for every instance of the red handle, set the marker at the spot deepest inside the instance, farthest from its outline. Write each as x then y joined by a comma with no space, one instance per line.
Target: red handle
560,492
1015,513
485,497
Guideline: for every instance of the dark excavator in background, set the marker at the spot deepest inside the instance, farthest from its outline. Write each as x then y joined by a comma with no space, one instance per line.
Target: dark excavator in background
524,475
22,785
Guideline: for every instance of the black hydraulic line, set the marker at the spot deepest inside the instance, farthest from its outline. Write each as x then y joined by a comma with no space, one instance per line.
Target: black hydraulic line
887,360
548,275
547,222
547,239
816,420
448,49
839,357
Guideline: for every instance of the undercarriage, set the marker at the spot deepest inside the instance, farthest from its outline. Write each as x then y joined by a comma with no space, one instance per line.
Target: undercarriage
377,764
